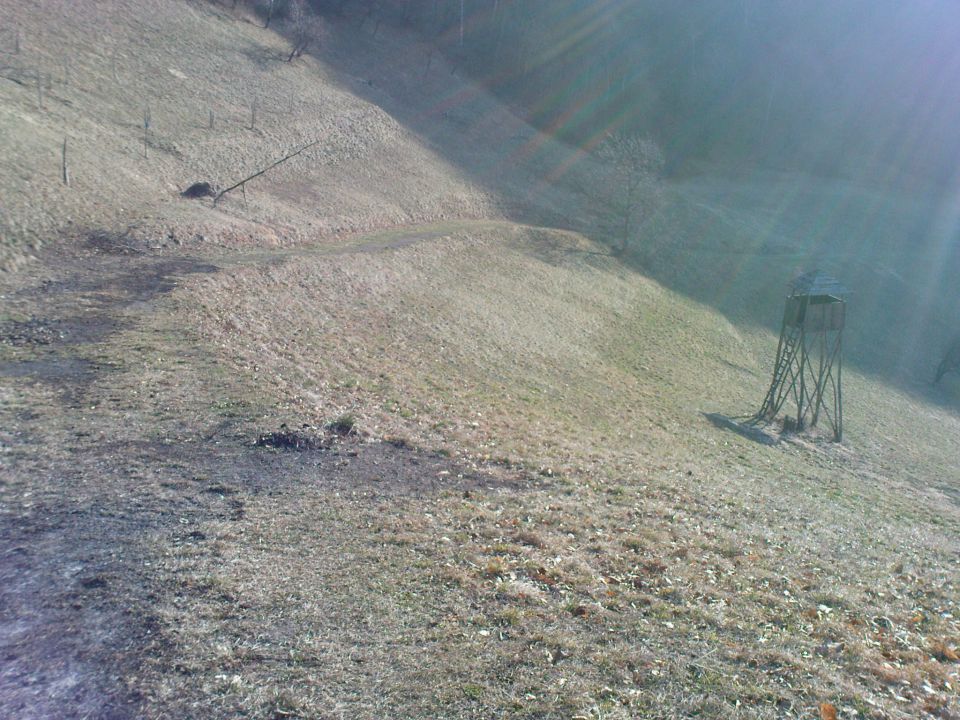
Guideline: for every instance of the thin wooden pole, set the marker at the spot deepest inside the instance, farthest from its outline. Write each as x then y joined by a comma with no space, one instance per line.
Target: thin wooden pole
839,394
63,165
146,127
821,379
803,375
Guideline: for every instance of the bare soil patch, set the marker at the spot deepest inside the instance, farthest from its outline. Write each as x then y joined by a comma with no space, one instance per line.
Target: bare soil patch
54,331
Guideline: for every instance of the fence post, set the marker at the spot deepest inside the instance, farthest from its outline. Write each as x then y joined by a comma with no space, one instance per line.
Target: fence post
146,127
63,165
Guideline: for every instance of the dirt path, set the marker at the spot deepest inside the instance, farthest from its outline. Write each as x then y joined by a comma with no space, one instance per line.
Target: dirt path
93,480
73,592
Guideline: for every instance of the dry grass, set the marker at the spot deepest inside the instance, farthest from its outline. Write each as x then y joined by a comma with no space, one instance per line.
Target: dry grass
666,568
185,59
643,562
582,542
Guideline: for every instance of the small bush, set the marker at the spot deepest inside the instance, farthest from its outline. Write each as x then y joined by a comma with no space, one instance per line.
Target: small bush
346,424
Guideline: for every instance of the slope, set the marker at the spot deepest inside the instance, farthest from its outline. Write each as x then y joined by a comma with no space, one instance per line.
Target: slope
180,66
503,497
644,538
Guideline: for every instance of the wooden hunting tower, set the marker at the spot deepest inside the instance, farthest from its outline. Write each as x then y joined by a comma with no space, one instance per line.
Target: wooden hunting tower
809,363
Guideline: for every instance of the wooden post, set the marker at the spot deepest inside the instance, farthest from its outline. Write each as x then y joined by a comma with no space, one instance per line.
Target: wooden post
65,170
211,119
801,398
146,127
16,42
838,393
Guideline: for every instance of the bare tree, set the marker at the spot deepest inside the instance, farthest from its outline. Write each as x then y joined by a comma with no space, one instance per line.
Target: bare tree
271,6
629,187
950,362
307,29
371,7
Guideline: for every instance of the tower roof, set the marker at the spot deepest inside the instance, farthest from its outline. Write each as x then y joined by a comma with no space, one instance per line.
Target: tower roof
816,282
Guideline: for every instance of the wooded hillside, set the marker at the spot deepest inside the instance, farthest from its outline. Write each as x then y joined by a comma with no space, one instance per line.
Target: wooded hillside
836,86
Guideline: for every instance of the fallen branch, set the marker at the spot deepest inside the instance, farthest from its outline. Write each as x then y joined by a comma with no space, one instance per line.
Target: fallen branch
261,172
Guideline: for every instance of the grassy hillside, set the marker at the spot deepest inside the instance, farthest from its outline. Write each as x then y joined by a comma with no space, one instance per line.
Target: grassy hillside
645,537
508,499
388,127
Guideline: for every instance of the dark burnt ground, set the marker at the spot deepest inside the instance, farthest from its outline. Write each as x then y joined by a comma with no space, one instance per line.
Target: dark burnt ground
94,487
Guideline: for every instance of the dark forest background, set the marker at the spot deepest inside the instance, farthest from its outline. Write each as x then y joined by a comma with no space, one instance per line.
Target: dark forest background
859,87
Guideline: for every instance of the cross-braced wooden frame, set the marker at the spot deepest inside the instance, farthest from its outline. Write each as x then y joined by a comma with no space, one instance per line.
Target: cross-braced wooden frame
809,367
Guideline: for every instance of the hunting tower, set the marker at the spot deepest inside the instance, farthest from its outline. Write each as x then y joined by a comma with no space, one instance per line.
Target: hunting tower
809,363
